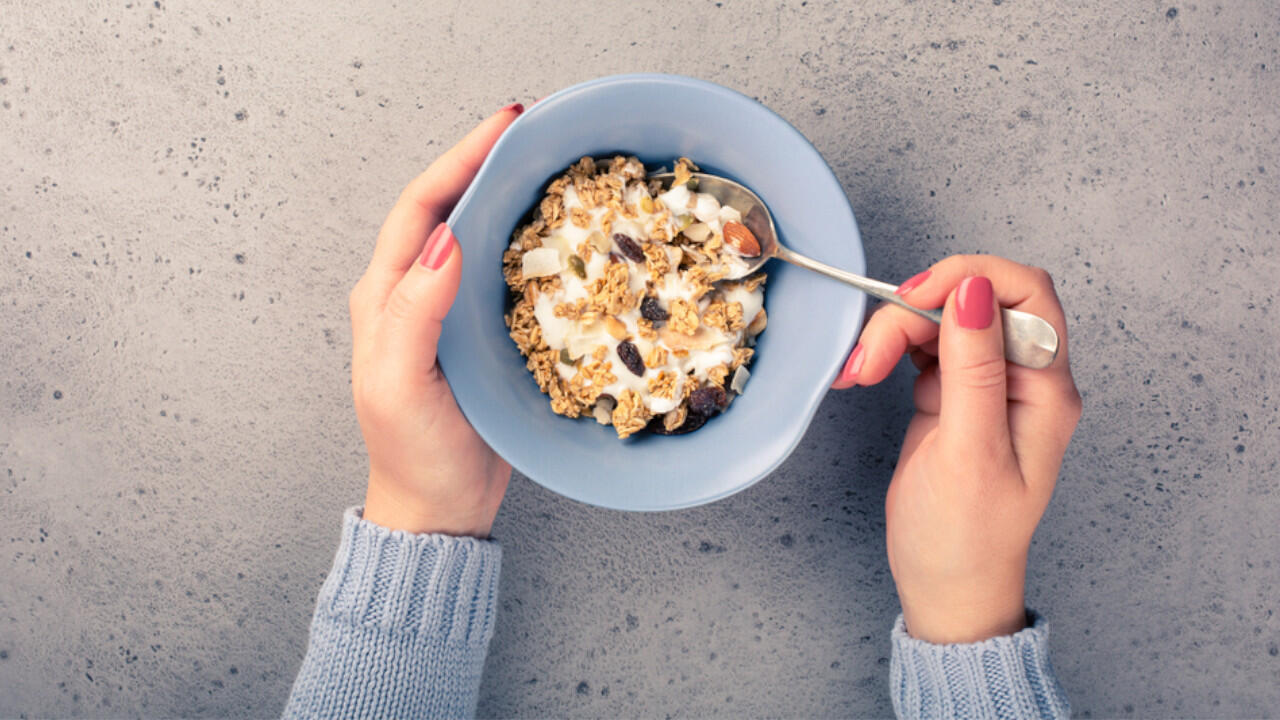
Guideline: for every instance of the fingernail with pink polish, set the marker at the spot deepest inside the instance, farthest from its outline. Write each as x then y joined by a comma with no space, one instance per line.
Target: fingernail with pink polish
438,248
974,308
913,282
852,366
519,108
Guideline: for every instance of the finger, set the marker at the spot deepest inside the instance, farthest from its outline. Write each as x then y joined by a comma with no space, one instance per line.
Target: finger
927,393
1043,405
1048,429
886,337
1040,401
918,431
1017,286
417,306
427,200
923,360
974,414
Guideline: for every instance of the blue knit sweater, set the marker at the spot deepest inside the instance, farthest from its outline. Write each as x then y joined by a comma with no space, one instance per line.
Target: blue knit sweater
403,623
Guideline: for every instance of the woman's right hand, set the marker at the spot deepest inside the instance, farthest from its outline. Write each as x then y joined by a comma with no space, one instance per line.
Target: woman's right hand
981,456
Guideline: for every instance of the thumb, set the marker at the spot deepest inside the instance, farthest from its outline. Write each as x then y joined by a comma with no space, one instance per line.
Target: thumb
418,303
974,416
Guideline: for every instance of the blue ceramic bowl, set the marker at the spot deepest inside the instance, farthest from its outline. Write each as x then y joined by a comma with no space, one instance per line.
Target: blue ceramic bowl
812,320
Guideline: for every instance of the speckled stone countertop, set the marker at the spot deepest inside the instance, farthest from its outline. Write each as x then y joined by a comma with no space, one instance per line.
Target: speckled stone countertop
188,194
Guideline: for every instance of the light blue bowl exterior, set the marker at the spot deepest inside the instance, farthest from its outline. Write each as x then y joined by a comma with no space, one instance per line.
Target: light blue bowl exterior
812,320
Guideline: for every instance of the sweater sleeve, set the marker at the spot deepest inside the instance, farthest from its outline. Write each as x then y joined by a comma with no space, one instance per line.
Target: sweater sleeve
1004,677
401,626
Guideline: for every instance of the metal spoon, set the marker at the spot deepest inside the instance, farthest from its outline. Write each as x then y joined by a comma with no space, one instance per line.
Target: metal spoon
1029,340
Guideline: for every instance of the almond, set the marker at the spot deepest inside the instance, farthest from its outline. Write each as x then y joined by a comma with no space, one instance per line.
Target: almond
737,236
616,328
758,323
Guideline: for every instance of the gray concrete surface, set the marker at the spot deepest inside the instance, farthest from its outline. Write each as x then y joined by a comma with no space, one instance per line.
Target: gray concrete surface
189,190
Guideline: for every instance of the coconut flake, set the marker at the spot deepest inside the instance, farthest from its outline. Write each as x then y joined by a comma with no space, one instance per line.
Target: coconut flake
540,262
587,340
740,377
704,338
707,208
599,242
698,232
603,410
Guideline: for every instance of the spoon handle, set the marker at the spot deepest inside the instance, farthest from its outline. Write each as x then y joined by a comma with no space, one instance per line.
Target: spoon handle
1029,340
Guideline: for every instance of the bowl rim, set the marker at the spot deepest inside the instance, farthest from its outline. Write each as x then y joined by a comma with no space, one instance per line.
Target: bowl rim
813,399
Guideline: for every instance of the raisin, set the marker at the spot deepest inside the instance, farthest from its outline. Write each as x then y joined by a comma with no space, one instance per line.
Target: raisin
707,401
629,248
651,310
630,357
692,422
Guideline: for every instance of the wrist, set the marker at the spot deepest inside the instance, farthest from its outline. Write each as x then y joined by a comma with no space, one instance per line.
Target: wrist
394,510
943,626
968,613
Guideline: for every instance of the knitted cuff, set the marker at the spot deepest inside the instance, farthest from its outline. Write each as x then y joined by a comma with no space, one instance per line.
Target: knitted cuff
1003,677
398,582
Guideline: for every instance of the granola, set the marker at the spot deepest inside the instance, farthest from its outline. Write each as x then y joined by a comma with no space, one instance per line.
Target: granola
619,301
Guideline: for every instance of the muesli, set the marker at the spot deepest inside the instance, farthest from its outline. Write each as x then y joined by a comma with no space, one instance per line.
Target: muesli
620,302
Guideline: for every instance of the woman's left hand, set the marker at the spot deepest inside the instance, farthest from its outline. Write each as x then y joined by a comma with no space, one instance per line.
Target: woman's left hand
428,469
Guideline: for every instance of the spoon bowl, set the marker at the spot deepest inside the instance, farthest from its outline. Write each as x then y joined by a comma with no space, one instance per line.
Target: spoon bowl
1029,340
755,215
